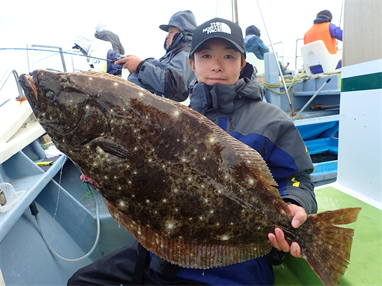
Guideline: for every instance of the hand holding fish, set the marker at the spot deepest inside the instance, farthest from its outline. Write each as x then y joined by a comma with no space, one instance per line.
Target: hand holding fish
278,240
131,63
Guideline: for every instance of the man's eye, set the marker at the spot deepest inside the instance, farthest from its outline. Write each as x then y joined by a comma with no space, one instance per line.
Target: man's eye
229,57
206,56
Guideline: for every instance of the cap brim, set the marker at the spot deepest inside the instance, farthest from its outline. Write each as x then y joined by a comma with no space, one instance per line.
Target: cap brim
164,27
240,49
75,46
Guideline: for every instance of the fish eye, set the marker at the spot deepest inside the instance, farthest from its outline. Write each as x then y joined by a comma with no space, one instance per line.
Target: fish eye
50,96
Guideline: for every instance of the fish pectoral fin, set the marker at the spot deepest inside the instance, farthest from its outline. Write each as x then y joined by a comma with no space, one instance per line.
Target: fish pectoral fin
106,145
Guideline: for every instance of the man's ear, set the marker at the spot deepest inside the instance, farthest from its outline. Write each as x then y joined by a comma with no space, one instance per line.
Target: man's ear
244,63
192,64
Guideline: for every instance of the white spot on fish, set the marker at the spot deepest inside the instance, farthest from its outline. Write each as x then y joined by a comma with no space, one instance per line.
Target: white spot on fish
116,84
140,93
176,190
212,139
225,237
122,203
90,78
200,217
100,150
148,201
164,200
206,200
212,211
190,179
251,181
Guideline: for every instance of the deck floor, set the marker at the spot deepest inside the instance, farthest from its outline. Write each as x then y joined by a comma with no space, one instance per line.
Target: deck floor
365,266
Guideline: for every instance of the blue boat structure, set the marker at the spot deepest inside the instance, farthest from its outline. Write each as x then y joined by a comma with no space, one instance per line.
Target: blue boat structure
52,224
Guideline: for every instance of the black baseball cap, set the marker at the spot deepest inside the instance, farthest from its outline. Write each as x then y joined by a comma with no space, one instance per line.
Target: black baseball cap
218,28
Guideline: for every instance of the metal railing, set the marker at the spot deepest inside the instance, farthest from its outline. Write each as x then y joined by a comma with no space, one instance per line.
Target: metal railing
5,78
47,47
282,50
295,58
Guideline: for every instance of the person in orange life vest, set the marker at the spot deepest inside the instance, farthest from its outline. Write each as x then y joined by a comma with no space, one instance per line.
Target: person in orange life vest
324,30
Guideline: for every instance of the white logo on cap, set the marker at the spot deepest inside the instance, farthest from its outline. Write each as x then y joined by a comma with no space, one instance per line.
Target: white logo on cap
217,27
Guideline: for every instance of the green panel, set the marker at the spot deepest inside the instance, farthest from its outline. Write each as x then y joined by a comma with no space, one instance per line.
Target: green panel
365,266
362,82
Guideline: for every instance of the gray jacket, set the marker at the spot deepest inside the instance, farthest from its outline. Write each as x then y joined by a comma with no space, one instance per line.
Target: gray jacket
171,75
239,110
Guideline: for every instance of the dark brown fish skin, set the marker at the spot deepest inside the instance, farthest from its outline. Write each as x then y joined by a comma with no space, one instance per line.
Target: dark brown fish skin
175,180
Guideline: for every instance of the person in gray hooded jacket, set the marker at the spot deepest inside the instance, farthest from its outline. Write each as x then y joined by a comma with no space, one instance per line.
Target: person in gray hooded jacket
170,75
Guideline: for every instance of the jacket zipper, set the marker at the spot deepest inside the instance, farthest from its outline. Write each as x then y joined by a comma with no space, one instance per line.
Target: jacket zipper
265,146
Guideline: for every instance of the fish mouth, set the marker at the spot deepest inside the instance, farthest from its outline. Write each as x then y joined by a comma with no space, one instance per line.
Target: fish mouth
30,90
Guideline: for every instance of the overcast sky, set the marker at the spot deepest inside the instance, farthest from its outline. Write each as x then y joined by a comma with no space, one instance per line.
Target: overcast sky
53,22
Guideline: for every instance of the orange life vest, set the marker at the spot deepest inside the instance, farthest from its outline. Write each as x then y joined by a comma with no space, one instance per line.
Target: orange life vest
321,32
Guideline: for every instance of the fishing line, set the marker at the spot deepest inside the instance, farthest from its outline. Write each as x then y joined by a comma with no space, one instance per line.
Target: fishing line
62,52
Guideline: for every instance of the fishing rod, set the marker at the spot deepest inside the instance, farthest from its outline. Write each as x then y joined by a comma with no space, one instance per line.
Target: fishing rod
60,52
278,66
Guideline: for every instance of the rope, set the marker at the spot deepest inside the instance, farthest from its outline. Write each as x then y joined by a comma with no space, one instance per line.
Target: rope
275,85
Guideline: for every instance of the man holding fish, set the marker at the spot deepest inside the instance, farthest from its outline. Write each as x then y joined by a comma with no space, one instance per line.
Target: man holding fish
226,91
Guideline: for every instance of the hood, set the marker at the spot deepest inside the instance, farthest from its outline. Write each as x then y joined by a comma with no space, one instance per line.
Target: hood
84,42
321,19
183,20
226,99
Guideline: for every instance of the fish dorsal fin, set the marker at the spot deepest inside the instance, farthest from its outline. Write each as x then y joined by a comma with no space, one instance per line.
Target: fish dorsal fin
185,254
252,158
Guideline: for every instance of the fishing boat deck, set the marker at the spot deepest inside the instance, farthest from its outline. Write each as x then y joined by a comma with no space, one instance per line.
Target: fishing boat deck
365,266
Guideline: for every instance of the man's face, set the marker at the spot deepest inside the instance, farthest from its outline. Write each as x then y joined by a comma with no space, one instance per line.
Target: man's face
171,32
217,61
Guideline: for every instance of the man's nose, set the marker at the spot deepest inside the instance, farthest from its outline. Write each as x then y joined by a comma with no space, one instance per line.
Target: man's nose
216,66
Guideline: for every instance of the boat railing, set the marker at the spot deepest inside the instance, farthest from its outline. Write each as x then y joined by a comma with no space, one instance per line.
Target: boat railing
5,78
282,50
296,56
30,64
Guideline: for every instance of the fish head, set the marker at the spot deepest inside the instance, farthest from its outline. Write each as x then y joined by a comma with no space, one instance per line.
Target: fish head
65,105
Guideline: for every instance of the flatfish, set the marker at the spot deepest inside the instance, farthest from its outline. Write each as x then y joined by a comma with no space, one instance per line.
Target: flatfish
187,190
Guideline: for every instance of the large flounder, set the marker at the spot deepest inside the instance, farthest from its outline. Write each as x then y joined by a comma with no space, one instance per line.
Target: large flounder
186,190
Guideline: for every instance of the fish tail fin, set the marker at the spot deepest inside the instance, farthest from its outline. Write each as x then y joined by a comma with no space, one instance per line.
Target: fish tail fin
327,246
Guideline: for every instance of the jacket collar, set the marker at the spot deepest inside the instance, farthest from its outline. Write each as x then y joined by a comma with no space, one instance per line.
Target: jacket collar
225,98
